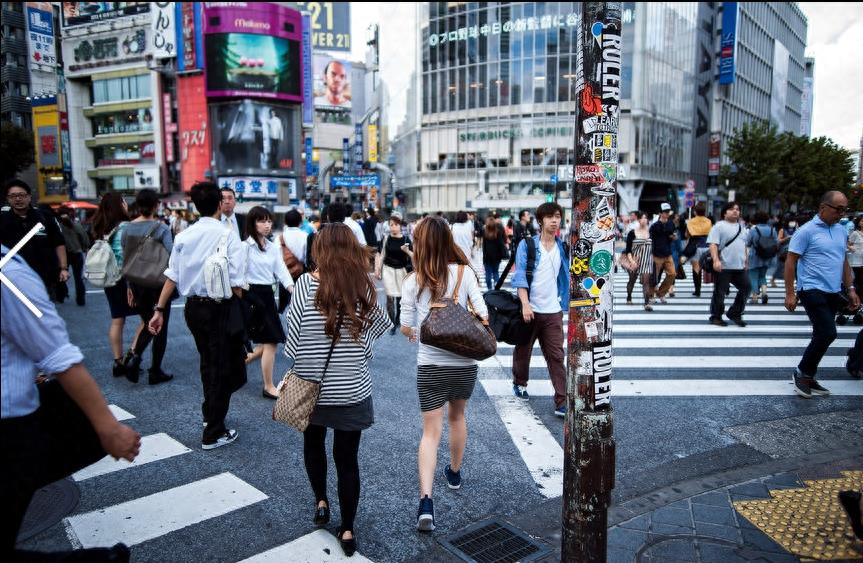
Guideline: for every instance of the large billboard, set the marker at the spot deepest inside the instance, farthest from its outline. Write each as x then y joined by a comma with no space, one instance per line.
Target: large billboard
332,83
252,137
40,36
728,43
49,153
331,25
193,132
79,13
253,49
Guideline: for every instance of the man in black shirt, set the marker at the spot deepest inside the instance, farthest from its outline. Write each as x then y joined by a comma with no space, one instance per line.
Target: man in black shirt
522,228
46,251
662,234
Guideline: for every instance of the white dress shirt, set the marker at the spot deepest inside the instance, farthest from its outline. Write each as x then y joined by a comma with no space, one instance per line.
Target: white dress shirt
357,230
263,267
191,249
296,240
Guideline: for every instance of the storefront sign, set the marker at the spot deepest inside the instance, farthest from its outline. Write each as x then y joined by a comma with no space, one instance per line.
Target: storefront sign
146,177
308,97
163,43
373,143
170,127
124,47
728,43
516,133
190,43
258,188
519,25
40,36
353,181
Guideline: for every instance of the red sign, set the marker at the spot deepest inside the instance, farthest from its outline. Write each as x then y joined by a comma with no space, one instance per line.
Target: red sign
170,127
194,130
49,144
148,150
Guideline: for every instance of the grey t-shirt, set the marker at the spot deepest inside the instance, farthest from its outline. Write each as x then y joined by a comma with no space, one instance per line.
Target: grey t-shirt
139,230
733,256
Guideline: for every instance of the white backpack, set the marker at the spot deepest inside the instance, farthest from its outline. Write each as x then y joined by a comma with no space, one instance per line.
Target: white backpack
216,277
100,267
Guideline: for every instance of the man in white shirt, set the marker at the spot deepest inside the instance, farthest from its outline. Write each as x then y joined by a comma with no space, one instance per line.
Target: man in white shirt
216,325
345,214
227,216
294,237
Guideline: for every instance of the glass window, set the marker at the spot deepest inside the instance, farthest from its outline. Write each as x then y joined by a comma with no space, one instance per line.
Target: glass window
493,84
462,88
426,92
551,79
482,89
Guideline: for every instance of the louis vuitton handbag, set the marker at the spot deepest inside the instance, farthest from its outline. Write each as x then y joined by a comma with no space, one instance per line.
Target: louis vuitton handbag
451,327
298,397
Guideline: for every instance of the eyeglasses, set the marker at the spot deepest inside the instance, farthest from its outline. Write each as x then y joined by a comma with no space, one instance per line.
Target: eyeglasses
18,195
838,209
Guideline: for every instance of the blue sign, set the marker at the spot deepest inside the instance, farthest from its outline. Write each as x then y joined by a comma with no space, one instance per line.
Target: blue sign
309,154
308,99
554,178
728,43
346,154
40,21
367,181
358,146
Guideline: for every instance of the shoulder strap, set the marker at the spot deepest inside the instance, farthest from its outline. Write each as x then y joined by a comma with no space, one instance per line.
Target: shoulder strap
727,244
531,260
384,247
153,229
332,347
110,235
223,242
457,283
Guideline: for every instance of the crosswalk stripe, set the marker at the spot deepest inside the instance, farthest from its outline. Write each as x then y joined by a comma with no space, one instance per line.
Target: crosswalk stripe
497,389
155,447
676,306
319,547
747,316
538,447
690,343
685,362
158,514
119,413
705,328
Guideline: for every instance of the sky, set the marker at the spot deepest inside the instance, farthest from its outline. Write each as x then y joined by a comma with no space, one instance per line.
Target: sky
835,39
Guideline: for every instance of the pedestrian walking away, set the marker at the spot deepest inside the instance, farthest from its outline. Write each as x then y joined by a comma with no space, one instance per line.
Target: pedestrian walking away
264,265
763,248
462,233
143,298
207,266
493,251
333,321
784,236
543,300
855,260
50,428
663,233
77,243
824,284
392,265
728,240
442,271
697,230
640,259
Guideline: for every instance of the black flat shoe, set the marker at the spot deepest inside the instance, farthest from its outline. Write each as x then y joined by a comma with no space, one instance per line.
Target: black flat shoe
348,546
156,378
269,396
133,368
322,516
119,369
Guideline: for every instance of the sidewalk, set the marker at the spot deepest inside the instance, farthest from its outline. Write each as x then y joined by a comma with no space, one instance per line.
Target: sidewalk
777,511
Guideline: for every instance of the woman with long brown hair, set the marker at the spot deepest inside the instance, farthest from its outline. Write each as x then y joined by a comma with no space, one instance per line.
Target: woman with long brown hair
493,250
335,308
109,223
440,268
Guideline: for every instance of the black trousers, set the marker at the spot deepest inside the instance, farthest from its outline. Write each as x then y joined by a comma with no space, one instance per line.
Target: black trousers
223,365
76,262
145,299
38,449
821,307
346,446
740,280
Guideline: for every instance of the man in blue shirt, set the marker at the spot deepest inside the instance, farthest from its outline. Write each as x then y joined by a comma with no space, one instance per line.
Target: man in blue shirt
817,260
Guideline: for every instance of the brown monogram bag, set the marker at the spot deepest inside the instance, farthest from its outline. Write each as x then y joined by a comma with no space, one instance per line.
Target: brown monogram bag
298,397
295,267
451,327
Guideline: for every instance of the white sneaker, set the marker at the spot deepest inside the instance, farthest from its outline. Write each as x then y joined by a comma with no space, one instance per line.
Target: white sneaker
228,437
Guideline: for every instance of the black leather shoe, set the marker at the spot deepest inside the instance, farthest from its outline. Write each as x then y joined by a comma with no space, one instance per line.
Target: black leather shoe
157,377
348,546
322,516
119,369
718,322
738,321
133,368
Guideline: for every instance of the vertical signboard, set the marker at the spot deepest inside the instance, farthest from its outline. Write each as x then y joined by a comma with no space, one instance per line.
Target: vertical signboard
373,143
188,38
714,150
40,36
358,146
728,43
170,127
308,102
310,166
194,133
346,154
163,40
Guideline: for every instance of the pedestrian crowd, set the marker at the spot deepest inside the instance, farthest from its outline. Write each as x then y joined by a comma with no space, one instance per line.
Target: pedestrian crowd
310,290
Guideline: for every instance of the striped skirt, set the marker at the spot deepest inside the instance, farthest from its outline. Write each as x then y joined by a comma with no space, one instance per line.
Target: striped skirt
437,385
641,253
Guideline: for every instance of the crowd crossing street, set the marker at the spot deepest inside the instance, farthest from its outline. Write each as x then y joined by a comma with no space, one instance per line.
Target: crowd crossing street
690,400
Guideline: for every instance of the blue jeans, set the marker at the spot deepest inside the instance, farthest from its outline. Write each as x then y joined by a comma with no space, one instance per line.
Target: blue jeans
491,275
821,307
757,278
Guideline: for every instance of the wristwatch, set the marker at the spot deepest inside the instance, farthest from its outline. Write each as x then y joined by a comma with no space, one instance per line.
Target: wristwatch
159,309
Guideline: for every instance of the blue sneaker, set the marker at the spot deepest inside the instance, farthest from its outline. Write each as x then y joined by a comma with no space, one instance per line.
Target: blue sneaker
560,411
453,478
425,515
520,391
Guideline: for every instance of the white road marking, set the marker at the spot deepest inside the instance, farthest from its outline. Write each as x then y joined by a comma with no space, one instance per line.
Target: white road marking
155,447
658,315
158,514
119,413
685,362
318,547
500,388
716,342
705,328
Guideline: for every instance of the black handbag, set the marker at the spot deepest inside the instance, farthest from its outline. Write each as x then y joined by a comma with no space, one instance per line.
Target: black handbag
504,308
707,260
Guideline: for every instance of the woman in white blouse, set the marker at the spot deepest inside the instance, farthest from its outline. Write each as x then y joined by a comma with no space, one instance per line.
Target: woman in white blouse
264,265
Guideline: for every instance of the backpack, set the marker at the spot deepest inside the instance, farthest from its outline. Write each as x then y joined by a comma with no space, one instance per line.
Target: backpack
100,267
295,267
216,277
766,248
145,263
504,308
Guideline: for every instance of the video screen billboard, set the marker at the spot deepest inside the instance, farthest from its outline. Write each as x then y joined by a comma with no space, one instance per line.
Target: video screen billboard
253,137
79,13
246,64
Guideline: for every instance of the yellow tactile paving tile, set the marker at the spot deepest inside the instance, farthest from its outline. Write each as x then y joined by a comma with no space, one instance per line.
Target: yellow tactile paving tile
808,522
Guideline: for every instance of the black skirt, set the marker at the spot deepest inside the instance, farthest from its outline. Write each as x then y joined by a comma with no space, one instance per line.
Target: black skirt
264,326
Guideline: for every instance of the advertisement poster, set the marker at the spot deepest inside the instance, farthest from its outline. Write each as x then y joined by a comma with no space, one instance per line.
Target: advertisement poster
79,13
194,135
332,83
253,138
40,36
331,25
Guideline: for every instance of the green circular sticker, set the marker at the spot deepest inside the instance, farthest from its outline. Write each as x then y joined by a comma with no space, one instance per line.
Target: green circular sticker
601,262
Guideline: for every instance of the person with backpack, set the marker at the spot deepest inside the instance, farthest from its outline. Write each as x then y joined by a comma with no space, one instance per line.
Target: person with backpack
77,243
208,266
727,241
264,264
544,296
493,250
763,248
392,265
143,270
103,269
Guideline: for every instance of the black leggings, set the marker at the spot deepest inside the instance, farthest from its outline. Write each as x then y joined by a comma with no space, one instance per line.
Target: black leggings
346,445
645,285
394,305
145,299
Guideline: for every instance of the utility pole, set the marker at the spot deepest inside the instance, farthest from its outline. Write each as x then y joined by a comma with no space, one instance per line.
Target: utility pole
588,474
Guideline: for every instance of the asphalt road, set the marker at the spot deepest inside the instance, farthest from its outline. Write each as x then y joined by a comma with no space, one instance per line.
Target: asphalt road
242,500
